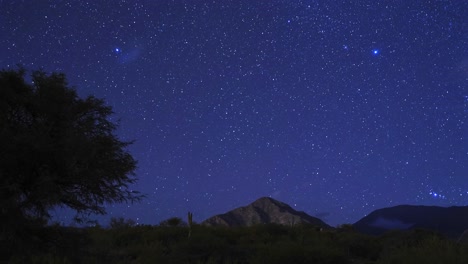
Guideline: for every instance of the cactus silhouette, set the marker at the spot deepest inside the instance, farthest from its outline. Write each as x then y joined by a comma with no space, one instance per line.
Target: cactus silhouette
190,223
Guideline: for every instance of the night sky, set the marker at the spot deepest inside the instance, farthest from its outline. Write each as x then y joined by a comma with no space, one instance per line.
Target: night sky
336,108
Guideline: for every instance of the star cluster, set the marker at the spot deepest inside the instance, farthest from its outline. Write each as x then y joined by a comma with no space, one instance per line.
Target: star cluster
337,108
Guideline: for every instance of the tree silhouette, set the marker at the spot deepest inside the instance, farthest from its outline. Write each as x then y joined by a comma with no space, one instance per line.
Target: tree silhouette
57,149
172,222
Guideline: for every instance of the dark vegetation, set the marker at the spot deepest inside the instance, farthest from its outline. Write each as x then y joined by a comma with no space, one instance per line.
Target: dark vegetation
269,243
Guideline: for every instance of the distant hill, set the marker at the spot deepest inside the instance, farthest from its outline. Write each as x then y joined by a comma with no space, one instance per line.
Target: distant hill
263,211
451,221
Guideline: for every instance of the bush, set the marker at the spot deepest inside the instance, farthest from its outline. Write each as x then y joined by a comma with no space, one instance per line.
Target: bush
121,223
172,222
256,244
430,250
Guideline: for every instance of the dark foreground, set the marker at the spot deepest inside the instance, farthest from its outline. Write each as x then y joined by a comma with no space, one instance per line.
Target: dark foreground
258,244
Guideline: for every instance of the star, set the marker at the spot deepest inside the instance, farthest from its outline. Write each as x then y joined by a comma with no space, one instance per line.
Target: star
375,52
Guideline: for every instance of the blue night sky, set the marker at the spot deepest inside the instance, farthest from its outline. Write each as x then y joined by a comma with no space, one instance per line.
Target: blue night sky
336,108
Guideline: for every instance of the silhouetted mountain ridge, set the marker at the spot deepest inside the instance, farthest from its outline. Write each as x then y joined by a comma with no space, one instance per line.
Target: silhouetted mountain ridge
451,221
264,211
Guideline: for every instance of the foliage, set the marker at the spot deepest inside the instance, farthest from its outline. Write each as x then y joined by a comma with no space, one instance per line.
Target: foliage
57,150
173,222
429,250
256,244
121,222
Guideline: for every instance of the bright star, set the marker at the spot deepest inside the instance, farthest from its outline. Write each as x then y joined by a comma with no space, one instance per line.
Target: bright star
375,52
117,50
437,195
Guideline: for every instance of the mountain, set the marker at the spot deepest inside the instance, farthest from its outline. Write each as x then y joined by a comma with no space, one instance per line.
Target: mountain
262,211
451,221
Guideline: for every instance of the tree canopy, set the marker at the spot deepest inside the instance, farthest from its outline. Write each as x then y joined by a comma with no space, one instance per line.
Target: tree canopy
57,150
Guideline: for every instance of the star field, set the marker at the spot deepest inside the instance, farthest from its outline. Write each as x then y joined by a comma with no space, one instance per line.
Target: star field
337,108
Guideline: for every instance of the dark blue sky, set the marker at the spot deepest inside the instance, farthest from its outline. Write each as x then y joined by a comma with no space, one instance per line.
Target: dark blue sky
337,108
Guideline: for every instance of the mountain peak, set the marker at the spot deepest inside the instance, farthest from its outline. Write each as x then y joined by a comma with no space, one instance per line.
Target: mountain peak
263,211
265,198
268,201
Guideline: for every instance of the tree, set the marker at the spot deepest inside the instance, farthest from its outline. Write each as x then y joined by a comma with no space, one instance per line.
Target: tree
120,222
57,149
173,222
